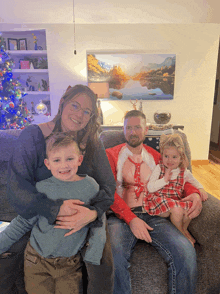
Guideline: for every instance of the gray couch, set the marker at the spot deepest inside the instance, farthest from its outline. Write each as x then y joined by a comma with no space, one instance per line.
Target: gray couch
149,271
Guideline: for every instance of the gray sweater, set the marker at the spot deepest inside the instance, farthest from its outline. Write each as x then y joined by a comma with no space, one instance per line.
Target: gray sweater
49,241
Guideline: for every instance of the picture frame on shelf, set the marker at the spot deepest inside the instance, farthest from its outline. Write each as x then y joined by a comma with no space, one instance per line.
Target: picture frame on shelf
12,44
22,44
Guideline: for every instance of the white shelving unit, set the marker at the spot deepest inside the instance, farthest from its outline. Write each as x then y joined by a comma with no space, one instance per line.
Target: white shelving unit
38,93
32,76
36,71
27,52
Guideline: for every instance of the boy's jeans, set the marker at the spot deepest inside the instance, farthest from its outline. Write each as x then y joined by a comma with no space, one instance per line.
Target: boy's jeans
176,250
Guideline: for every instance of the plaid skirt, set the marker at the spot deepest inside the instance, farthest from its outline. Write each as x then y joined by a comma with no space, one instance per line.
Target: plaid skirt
168,197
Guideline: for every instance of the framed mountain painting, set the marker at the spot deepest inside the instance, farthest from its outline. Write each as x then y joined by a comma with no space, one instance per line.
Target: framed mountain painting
131,76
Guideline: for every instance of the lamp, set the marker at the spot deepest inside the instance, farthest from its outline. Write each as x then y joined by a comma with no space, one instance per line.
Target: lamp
41,108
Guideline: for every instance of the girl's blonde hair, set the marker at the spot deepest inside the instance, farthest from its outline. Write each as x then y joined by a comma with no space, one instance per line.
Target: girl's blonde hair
174,140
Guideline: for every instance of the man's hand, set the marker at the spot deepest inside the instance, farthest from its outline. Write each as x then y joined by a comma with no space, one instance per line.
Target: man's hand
203,194
140,229
196,208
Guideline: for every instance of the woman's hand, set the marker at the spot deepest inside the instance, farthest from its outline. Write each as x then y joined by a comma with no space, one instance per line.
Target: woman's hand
77,221
196,208
69,207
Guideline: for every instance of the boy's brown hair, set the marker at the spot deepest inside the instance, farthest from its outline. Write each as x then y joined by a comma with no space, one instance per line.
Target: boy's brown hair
59,139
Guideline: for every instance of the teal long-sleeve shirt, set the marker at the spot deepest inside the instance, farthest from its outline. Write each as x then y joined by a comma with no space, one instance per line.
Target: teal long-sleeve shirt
50,242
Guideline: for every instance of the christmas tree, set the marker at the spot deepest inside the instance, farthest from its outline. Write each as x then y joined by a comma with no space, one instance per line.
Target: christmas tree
13,112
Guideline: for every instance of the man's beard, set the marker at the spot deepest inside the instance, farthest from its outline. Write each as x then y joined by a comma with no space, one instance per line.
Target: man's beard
135,143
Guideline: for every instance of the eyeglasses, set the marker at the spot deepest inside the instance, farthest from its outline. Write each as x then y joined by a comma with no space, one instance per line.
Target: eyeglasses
75,107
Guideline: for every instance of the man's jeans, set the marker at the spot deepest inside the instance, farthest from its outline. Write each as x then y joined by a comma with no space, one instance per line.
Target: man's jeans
176,250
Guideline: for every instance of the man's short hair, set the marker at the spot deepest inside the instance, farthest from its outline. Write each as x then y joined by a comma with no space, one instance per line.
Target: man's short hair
136,113
60,139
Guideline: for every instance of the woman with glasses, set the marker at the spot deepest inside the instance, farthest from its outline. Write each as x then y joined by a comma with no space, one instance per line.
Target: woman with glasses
77,114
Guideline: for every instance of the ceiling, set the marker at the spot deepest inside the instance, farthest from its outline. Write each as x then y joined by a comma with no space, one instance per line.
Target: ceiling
110,11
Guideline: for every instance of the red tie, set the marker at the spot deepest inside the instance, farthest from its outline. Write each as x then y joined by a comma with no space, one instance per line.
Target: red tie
138,186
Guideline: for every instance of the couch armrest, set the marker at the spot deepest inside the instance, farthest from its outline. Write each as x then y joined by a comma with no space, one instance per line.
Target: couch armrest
206,227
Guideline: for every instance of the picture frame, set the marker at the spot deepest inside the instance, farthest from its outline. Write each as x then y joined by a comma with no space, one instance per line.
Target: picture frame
12,44
22,44
131,76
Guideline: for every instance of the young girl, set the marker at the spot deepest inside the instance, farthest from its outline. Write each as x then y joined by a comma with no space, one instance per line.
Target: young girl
165,187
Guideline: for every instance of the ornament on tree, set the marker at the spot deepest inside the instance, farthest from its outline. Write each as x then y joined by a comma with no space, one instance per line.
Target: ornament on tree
11,104
11,97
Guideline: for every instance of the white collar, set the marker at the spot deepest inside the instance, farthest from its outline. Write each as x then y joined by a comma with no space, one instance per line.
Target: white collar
125,153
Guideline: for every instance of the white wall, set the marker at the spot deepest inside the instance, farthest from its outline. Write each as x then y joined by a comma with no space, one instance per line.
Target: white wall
196,49
109,11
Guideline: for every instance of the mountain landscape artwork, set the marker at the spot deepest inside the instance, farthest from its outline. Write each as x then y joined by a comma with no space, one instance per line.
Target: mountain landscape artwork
131,76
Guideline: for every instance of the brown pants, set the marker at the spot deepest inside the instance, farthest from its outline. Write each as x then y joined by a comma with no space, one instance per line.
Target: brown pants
51,275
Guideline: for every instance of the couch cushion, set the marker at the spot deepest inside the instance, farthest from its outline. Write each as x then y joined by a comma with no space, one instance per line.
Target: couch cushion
7,213
111,138
8,140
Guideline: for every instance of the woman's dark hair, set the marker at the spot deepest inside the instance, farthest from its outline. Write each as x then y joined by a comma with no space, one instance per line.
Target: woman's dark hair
87,137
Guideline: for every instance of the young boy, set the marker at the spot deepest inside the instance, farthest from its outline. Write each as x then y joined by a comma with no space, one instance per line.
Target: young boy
52,260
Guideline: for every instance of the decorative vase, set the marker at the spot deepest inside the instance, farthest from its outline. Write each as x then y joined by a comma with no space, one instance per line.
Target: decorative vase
162,117
35,46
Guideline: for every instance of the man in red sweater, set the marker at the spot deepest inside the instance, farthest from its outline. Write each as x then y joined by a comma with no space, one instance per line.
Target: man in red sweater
132,164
